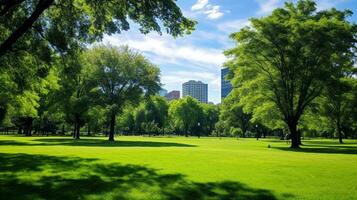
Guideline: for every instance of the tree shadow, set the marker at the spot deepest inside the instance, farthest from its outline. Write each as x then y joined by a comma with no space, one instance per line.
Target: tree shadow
24,176
93,142
331,149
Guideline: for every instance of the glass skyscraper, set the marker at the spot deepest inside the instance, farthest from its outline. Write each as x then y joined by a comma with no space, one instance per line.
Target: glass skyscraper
195,89
226,86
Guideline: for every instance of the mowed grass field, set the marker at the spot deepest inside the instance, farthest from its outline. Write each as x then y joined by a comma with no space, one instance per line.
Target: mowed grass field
175,168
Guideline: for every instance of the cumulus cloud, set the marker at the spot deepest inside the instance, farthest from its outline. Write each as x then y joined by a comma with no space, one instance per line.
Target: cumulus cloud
179,59
267,6
199,5
326,4
233,26
169,50
204,7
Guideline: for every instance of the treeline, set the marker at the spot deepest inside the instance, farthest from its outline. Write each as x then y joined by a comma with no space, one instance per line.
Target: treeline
293,73
49,82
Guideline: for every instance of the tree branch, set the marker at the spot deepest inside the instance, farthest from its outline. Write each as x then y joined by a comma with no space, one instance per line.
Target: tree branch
20,31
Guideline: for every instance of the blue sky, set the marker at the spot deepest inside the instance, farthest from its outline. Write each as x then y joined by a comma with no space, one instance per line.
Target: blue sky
199,56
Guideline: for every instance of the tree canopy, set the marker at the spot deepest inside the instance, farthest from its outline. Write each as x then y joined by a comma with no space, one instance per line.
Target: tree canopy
284,60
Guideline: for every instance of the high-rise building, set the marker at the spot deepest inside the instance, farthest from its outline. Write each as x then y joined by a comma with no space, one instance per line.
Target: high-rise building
174,94
226,86
162,92
195,89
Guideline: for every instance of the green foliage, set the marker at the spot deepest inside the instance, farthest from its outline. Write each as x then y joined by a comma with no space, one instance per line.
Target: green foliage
236,132
283,61
63,25
232,114
122,76
186,114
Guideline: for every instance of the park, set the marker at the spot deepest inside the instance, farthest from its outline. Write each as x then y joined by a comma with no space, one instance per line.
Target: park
175,168
268,109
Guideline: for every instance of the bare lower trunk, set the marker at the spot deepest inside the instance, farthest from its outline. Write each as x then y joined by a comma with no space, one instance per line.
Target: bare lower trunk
294,135
339,132
77,132
28,126
88,130
112,125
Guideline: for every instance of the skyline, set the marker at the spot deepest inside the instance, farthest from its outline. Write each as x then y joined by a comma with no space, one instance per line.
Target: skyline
199,56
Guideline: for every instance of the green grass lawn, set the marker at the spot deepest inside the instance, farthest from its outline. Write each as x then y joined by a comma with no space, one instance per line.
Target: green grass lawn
175,168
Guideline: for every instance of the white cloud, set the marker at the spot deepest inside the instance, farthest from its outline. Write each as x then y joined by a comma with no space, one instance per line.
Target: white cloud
326,4
180,59
199,5
213,12
267,6
204,7
169,50
233,26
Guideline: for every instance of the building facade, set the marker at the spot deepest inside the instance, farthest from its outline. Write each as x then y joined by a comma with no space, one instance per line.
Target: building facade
226,86
195,89
175,94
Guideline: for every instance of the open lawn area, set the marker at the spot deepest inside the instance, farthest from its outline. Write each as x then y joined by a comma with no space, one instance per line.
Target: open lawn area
175,168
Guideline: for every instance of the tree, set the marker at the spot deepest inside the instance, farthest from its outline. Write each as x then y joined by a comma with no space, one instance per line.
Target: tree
67,24
122,77
337,99
284,60
186,114
77,82
234,116
211,115
156,111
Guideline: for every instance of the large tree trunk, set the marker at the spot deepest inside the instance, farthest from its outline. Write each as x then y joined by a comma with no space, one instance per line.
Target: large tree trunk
28,126
339,132
294,135
299,137
112,125
77,132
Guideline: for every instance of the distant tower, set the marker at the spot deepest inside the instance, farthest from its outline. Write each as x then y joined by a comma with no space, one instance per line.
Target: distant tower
195,89
174,94
226,86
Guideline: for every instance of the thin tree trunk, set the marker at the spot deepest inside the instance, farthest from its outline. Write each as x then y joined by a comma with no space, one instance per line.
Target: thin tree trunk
112,126
75,130
63,130
88,130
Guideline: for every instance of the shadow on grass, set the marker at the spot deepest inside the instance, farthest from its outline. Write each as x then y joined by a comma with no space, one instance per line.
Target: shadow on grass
332,149
24,176
93,142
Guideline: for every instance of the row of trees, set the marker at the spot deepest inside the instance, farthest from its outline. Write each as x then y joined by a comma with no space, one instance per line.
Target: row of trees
292,71
103,78
156,115
44,74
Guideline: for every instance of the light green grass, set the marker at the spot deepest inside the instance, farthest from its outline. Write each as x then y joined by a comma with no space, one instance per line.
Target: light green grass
175,168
